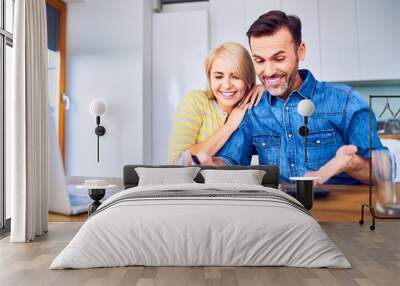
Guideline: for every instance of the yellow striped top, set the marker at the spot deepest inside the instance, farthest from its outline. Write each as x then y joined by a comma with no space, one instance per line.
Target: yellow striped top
196,118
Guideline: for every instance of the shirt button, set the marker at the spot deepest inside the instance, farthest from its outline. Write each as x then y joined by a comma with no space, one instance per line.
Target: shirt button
287,108
290,135
292,165
317,141
263,144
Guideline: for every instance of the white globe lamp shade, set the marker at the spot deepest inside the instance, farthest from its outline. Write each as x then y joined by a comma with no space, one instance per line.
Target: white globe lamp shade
305,107
97,107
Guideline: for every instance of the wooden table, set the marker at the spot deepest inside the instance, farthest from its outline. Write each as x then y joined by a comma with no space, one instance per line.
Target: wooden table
342,204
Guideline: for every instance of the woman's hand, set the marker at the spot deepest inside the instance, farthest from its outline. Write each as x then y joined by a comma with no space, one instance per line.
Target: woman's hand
253,97
250,100
236,116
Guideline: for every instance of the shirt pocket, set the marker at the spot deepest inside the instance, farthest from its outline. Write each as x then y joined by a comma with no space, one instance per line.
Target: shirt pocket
321,147
268,148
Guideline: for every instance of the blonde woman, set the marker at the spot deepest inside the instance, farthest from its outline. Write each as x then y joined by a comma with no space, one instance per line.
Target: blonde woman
205,120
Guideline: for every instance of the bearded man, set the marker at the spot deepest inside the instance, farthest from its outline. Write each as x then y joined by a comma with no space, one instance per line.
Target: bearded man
338,138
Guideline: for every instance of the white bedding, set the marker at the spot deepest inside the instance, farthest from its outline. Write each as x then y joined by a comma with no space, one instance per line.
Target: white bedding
183,231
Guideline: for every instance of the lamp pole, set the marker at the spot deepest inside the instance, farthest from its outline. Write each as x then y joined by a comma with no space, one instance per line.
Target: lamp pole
97,108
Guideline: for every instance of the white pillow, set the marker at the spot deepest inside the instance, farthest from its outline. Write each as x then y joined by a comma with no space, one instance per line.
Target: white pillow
248,177
165,176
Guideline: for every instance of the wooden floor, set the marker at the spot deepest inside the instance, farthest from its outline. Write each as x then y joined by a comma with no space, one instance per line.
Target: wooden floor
53,217
374,255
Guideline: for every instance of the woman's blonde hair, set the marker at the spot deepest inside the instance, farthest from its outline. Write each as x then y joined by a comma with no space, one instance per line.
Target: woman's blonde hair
240,59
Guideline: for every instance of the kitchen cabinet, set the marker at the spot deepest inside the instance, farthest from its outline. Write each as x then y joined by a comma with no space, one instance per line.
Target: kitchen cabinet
227,22
255,8
346,40
378,25
339,41
178,53
307,11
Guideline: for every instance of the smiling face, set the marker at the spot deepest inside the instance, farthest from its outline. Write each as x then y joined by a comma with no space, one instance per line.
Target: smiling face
226,85
276,59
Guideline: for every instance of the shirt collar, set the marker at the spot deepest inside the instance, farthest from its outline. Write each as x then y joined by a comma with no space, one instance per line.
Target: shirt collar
306,90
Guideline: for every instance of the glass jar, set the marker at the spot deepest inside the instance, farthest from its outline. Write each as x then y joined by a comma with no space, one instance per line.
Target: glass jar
386,181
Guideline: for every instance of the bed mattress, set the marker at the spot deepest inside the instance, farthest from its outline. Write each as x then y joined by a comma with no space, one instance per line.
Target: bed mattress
201,225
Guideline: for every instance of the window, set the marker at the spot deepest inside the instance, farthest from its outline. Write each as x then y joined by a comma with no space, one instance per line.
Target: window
6,44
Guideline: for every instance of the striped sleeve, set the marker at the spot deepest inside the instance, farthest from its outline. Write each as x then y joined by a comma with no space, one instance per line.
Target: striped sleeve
186,125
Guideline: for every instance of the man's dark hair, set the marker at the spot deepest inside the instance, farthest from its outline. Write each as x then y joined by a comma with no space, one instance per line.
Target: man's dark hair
269,23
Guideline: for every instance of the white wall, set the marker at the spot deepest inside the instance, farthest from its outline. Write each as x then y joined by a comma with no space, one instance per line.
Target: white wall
106,50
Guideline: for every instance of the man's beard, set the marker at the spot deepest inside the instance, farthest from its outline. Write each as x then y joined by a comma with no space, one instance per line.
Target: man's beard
286,87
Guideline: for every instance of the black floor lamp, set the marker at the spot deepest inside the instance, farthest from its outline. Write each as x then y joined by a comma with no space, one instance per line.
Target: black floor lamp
97,108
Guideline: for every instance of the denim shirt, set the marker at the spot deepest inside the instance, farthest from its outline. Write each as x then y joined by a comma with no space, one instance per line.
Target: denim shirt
270,129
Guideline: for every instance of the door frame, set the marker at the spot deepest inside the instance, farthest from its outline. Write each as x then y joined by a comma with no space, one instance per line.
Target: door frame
62,8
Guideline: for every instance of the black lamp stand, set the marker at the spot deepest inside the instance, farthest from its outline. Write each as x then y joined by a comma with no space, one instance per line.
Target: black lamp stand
96,195
304,131
100,131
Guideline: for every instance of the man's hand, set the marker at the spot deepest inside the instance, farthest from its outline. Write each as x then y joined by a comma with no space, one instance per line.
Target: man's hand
345,160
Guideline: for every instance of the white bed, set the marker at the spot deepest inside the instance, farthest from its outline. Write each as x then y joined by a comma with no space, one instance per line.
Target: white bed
256,226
